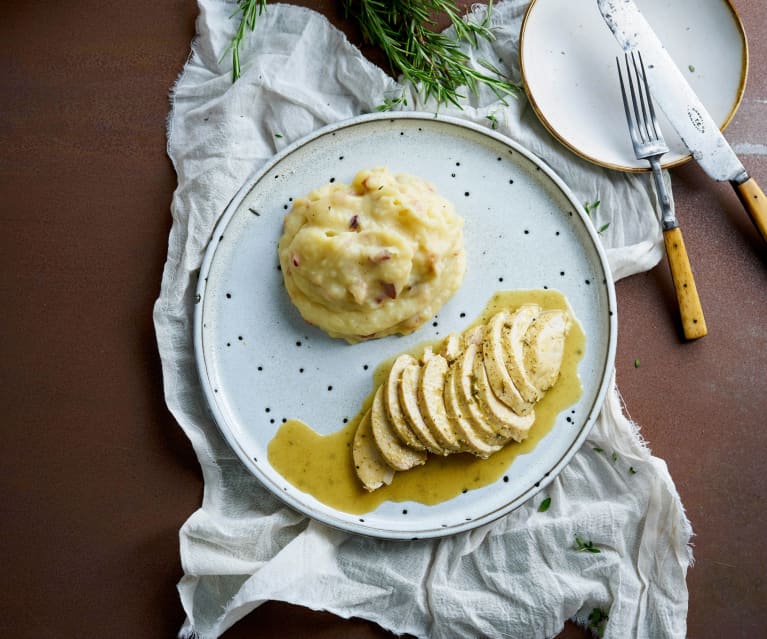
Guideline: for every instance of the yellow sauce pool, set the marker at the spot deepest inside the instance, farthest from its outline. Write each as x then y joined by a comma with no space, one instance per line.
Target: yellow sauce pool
322,465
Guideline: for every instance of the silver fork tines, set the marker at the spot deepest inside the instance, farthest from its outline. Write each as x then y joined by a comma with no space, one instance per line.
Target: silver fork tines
643,126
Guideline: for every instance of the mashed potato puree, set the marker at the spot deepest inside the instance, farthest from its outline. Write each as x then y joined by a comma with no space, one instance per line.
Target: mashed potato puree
375,257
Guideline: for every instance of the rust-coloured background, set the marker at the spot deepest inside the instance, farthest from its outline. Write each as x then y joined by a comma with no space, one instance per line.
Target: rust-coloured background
97,477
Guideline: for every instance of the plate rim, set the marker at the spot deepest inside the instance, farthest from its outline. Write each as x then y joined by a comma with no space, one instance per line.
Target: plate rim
668,164
356,526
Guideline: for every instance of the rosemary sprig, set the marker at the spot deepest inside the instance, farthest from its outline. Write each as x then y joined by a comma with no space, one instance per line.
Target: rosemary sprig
248,10
404,30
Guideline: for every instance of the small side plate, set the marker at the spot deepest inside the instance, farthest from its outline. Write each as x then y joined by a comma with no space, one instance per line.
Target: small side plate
567,57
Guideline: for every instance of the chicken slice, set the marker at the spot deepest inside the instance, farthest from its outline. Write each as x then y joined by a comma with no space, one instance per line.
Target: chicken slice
513,340
466,394
408,397
369,464
393,405
544,348
395,452
451,347
505,421
494,356
471,441
432,404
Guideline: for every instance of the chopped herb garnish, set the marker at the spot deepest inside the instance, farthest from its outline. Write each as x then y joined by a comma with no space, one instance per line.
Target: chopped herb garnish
544,505
585,546
493,121
603,228
597,449
278,135
590,207
636,363
632,470
597,620
615,456
691,68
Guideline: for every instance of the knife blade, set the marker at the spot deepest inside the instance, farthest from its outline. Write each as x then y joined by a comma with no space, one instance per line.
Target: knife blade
683,108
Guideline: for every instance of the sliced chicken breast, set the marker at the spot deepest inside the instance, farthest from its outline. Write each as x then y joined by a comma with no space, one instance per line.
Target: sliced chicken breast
544,348
504,420
466,394
493,351
431,389
395,452
393,405
369,464
471,442
513,340
408,397
451,347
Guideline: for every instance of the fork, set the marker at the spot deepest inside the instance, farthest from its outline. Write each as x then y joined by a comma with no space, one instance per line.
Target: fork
648,142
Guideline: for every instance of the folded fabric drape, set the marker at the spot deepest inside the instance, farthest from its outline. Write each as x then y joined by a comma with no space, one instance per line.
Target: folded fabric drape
521,575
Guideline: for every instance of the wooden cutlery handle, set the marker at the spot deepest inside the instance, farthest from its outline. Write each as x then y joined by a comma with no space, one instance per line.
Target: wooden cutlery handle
755,203
693,322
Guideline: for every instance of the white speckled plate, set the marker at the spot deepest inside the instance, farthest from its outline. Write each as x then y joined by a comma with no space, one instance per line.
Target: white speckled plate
567,56
260,363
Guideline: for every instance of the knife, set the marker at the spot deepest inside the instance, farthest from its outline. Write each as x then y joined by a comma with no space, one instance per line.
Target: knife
683,108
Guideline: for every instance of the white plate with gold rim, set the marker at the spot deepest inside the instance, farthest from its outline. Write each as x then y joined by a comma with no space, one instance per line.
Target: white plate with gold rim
567,57
260,364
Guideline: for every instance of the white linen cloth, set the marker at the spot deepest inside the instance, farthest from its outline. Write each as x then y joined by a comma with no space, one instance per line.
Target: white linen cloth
518,577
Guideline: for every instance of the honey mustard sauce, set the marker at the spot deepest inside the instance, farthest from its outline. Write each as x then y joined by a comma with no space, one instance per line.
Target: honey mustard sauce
322,465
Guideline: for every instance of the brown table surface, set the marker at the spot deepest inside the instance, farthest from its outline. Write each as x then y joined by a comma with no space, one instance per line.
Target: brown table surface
96,475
